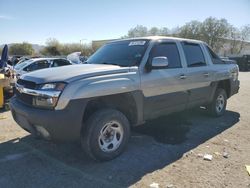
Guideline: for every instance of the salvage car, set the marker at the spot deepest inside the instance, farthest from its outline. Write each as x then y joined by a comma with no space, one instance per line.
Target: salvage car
123,84
34,64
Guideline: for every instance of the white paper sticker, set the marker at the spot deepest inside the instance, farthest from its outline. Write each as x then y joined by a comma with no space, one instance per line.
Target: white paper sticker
137,43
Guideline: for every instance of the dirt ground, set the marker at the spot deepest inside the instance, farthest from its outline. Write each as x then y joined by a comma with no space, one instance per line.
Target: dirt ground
166,152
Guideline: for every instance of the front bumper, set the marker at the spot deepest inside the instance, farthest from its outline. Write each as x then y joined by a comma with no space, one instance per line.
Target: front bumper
61,125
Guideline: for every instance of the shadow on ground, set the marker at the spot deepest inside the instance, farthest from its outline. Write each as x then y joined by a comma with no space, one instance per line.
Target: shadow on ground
158,143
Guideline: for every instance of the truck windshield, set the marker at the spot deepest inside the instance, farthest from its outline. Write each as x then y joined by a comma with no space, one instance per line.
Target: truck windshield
124,53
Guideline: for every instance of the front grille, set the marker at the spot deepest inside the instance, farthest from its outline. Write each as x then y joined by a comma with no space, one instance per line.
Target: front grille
26,84
27,99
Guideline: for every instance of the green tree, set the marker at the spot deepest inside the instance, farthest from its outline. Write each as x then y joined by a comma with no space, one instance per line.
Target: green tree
55,48
52,48
21,49
153,31
85,49
212,31
164,31
191,30
138,31
70,48
142,31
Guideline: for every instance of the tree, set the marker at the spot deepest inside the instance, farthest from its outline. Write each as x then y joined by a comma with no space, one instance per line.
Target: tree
214,32
138,31
153,31
234,40
142,31
70,48
244,36
21,49
164,31
53,48
191,30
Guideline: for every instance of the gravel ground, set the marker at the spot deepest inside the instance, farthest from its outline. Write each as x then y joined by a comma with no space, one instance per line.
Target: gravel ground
167,152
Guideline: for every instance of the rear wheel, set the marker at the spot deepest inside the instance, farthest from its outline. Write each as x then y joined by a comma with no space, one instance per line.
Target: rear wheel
106,135
218,106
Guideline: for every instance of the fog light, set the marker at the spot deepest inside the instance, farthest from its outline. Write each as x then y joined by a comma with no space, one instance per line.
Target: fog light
45,102
44,133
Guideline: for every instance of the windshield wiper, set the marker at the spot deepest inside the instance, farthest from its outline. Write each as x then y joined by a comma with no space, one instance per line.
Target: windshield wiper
105,63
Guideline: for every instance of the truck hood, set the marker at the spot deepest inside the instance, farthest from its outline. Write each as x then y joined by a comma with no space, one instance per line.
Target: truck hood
72,72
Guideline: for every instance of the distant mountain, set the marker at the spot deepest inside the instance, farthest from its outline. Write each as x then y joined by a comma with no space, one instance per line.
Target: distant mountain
36,47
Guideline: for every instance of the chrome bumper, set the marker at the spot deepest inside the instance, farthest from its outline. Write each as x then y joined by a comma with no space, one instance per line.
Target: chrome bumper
40,93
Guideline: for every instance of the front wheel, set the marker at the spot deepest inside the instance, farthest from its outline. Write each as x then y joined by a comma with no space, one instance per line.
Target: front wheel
218,106
106,135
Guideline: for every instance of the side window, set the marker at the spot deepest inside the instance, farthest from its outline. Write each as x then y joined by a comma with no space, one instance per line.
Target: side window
168,50
41,65
194,54
37,65
60,62
29,67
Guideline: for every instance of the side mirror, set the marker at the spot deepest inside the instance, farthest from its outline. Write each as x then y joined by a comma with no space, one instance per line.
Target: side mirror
159,62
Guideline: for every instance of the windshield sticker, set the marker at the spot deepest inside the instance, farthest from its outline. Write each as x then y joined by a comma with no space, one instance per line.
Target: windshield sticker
137,43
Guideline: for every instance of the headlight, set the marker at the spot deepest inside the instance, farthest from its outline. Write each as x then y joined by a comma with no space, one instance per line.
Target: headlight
50,93
53,86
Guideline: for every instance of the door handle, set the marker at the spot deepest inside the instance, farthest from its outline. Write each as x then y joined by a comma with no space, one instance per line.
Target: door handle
206,74
183,76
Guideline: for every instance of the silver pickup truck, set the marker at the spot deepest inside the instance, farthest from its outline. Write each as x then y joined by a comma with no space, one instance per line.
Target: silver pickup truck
123,84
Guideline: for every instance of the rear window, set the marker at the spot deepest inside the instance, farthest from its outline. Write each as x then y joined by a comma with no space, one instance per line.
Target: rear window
194,54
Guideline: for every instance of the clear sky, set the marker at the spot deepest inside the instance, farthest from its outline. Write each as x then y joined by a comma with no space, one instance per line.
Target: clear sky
72,20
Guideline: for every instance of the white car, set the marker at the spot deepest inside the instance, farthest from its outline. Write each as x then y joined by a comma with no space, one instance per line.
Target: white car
39,63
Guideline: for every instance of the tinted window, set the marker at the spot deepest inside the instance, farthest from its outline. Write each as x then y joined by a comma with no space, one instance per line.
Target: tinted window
60,62
194,54
37,65
124,53
168,50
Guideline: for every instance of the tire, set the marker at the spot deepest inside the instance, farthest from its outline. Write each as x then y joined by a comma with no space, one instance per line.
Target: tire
106,135
217,107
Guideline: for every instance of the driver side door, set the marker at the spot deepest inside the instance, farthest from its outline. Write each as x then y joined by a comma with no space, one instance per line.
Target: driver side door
164,88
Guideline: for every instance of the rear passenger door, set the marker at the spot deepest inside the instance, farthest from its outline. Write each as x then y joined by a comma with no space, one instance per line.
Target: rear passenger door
164,90
198,74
